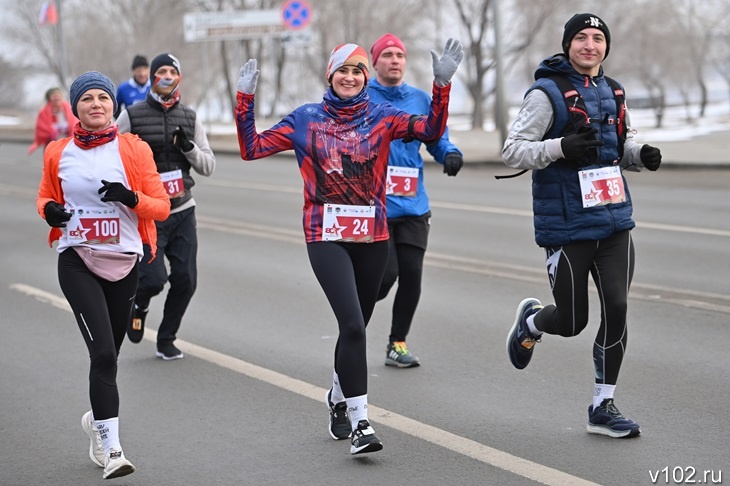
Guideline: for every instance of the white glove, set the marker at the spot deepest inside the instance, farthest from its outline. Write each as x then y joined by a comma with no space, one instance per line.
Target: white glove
248,77
444,68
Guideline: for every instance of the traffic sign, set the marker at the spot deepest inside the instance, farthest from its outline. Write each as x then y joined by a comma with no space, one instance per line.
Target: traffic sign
296,14
233,25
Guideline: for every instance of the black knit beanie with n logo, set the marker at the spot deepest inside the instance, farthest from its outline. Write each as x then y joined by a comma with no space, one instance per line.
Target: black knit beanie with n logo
584,21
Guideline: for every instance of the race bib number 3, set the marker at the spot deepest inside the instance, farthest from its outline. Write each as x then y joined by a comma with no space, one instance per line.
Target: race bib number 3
343,222
601,186
98,226
402,181
173,183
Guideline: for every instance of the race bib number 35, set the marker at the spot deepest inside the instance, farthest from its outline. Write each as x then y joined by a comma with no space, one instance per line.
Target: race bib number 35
343,222
600,186
173,183
402,181
90,226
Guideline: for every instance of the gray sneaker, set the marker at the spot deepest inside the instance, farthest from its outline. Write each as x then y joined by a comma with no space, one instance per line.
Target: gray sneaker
397,354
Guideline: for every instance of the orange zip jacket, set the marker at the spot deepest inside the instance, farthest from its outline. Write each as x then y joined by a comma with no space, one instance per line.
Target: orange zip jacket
139,165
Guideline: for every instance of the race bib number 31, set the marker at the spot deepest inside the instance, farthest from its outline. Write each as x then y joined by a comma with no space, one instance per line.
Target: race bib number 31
91,226
173,183
402,181
343,222
601,186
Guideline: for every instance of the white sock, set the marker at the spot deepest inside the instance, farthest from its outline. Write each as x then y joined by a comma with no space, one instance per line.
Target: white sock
109,431
357,408
337,396
601,392
536,333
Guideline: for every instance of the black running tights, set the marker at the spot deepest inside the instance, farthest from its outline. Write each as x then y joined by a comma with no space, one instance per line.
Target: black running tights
350,275
102,310
611,264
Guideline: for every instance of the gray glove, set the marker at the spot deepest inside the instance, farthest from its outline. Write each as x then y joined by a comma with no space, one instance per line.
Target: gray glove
444,68
248,77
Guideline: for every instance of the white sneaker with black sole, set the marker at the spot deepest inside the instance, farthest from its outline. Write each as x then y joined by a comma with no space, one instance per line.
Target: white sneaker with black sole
96,448
116,465
364,440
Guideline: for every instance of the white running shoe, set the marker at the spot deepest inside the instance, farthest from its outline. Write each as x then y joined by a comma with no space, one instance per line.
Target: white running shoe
116,465
96,448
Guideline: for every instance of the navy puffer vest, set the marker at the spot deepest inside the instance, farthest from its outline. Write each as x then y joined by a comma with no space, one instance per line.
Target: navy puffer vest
559,215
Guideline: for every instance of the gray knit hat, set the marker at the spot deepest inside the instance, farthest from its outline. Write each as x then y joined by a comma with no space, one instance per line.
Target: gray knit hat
91,80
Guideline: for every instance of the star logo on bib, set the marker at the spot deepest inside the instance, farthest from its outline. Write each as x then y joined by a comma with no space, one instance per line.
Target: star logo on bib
79,233
335,229
389,186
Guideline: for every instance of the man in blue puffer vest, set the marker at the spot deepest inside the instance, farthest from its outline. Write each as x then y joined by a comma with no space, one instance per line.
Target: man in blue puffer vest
577,142
409,213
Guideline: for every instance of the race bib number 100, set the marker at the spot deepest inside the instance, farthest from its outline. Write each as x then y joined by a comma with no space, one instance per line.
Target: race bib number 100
91,226
402,181
601,186
344,222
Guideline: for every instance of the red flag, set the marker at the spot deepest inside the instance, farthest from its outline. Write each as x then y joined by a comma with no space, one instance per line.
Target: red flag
49,14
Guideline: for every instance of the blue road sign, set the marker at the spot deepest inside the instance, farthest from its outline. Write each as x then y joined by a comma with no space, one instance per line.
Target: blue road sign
296,14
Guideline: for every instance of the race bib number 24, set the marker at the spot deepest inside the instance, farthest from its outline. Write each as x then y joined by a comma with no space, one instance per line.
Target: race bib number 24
344,222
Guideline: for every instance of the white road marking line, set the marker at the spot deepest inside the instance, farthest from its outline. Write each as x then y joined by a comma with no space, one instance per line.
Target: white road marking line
442,438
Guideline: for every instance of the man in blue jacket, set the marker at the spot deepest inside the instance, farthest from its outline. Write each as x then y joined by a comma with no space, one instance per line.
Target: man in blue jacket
408,209
135,88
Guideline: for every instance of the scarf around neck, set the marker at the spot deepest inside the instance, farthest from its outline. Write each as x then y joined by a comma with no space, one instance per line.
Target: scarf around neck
87,140
345,109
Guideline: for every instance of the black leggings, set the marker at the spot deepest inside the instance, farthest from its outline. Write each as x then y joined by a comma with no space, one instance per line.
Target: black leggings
102,311
611,263
350,275
405,264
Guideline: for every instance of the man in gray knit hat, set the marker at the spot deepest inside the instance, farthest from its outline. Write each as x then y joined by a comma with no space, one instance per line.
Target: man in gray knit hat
573,132
179,144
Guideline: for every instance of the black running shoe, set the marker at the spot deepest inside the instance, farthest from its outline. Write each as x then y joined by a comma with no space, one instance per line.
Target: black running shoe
607,420
169,352
364,440
519,340
339,427
135,330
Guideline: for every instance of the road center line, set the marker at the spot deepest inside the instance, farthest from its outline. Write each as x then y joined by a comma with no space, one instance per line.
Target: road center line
434,435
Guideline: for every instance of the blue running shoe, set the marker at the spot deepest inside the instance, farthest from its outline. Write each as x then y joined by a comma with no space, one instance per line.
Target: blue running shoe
607,420
519,340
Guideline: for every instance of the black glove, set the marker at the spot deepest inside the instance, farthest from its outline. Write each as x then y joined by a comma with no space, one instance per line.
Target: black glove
181,141
452,163
651,157
579,145
56,214
115,191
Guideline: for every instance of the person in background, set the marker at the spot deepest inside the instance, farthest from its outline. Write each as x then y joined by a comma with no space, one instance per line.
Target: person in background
574,133
409,213
179,144
135,89
54,121
100,193
341,145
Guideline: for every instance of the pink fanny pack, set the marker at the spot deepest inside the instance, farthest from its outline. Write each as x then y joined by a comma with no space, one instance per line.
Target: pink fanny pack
109,265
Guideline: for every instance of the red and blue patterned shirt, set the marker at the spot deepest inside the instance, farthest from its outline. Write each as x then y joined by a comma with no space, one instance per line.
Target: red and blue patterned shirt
342,149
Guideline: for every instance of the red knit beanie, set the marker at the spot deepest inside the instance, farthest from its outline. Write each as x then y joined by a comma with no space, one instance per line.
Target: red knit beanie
388,40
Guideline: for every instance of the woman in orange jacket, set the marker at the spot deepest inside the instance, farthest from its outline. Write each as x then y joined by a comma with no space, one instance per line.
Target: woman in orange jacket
101,193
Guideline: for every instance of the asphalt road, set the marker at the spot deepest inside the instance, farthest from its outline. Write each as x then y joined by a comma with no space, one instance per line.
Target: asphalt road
245,405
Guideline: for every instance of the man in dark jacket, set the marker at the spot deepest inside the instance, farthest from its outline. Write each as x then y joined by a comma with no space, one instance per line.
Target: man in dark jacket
179,143
572,131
